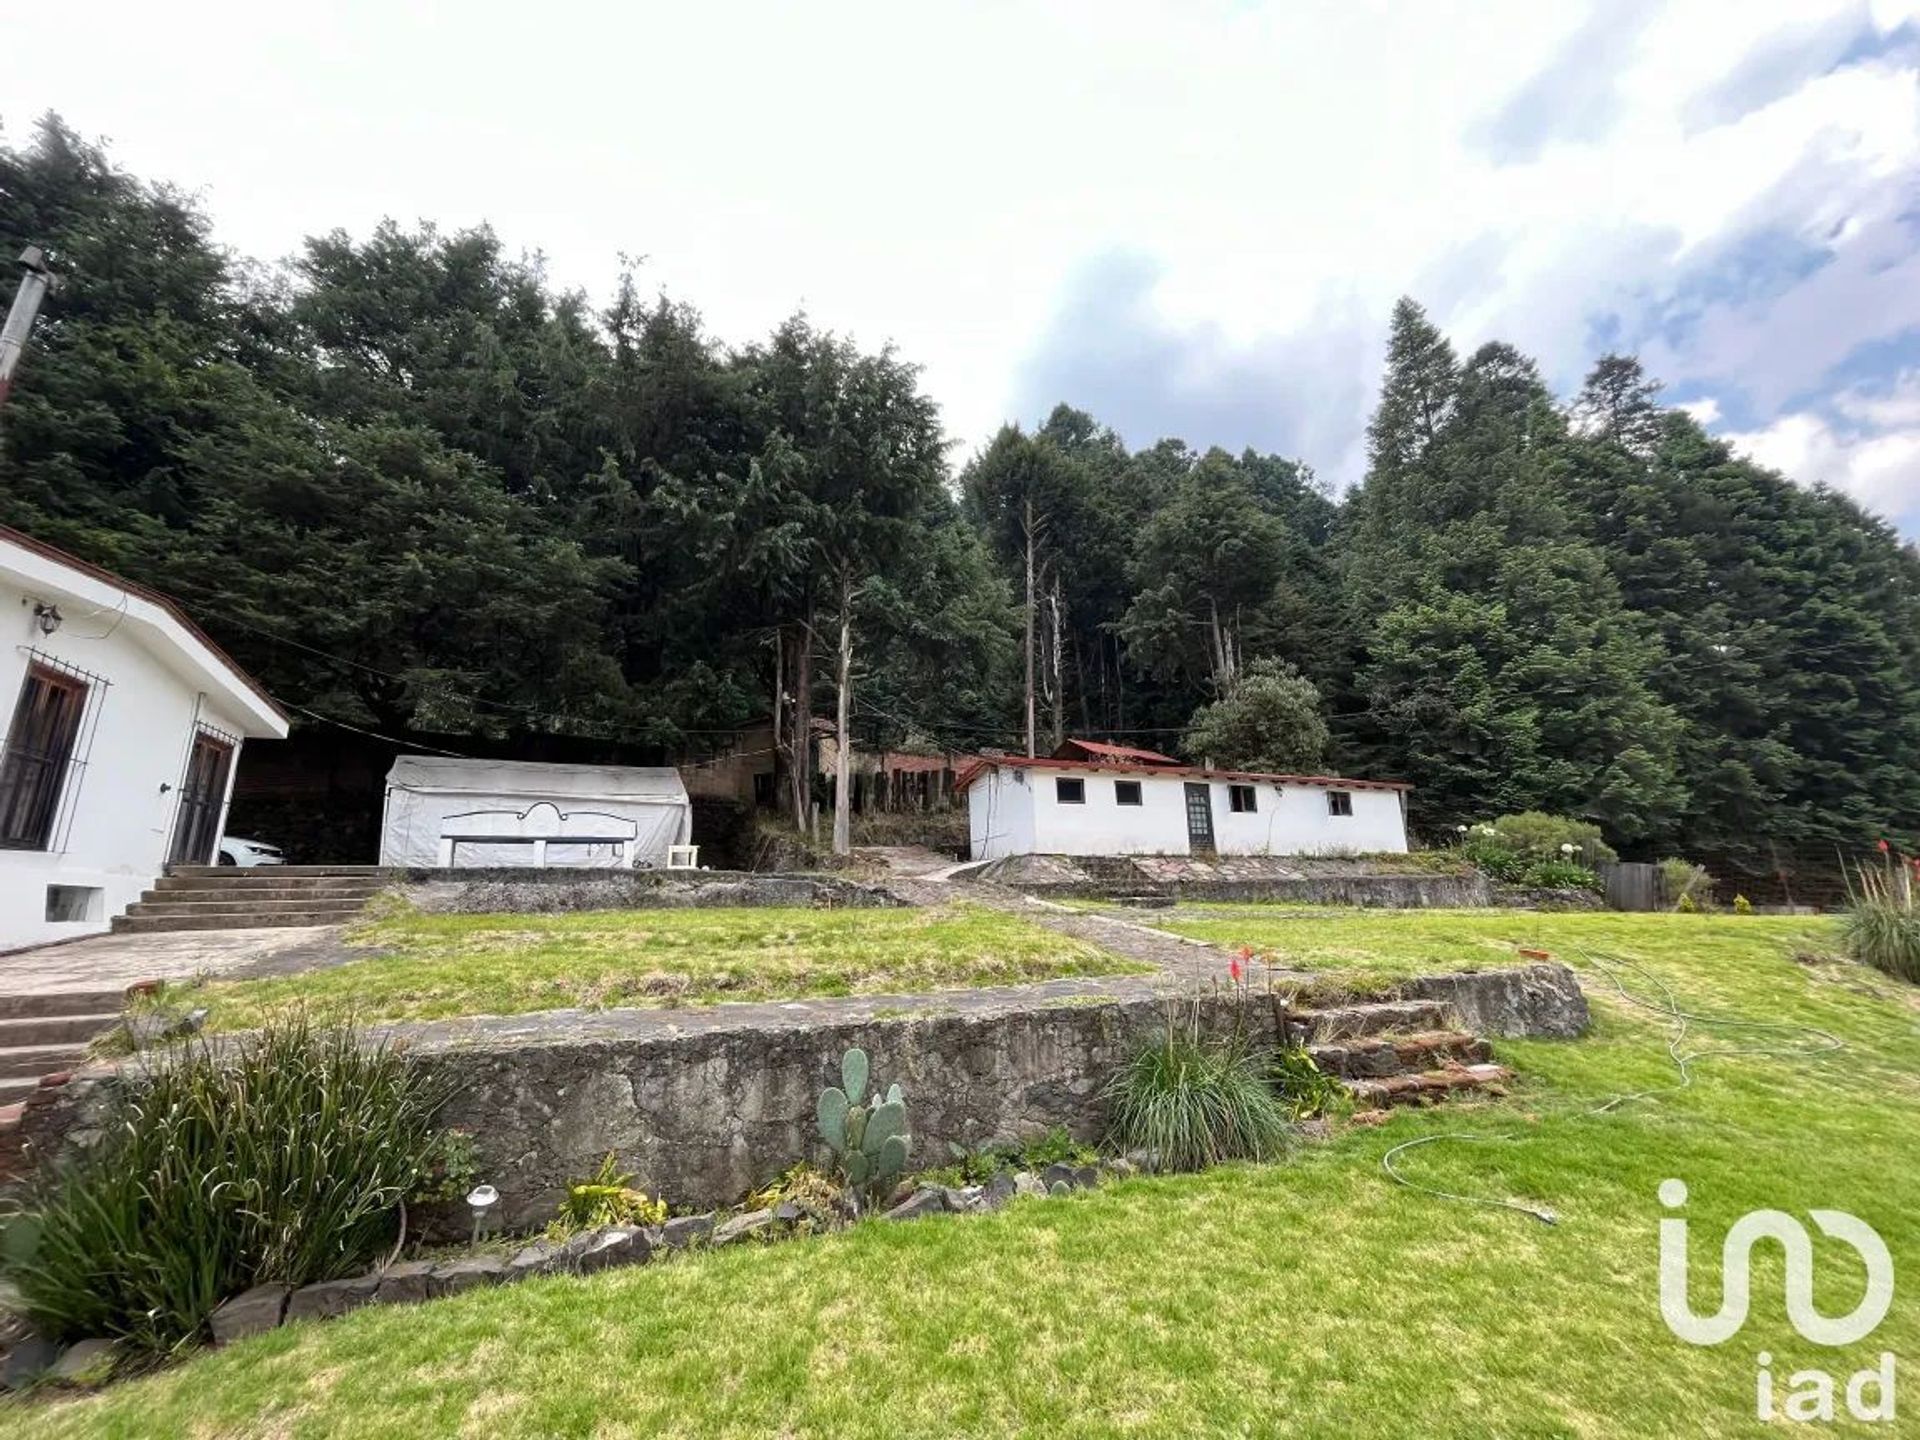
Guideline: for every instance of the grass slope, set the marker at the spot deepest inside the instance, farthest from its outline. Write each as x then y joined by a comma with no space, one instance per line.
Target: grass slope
427,966
1309,1298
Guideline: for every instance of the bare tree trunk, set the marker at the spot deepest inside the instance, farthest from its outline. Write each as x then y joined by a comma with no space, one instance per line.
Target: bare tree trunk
782,755
800,737
1029,527
1057,653
843,753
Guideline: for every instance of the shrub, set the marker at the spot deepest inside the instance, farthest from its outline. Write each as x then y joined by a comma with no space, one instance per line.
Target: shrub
1882,925
1687,886
1503,858
1193,1101
1302,1085
1540,836
869,1141
1742,905
285,1157
607,1199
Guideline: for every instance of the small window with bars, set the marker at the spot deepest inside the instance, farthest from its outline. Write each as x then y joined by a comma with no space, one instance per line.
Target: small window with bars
39,751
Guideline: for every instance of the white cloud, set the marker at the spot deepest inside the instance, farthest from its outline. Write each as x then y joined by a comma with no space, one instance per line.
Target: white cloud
951,177
1869,448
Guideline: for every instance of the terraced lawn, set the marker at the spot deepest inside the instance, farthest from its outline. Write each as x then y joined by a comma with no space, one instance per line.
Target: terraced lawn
1313,1297
421,966
1386,945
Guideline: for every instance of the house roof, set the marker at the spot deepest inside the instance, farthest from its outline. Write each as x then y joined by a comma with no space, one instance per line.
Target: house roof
1192,772
149,609
1100,750
536,779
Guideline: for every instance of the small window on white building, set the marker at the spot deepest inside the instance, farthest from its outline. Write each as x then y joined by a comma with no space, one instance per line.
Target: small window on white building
1070,792
1339,802
71,904
1126,792
1241,799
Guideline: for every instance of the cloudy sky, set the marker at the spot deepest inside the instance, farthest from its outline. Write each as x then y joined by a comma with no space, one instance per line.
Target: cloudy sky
1189,218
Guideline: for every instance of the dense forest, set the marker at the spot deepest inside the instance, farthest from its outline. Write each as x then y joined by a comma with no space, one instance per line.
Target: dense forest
418,489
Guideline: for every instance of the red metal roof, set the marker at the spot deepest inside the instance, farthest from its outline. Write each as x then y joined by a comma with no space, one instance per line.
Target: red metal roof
1093,767
1100,750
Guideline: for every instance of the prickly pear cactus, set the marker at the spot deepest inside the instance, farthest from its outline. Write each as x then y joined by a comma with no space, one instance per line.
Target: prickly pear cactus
869,1140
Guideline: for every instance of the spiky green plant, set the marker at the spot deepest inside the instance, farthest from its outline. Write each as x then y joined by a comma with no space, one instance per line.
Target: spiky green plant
284,1157
869,1141
1882,924
1192,1100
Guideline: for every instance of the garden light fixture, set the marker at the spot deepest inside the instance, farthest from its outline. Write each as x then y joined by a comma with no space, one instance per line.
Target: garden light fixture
480,1199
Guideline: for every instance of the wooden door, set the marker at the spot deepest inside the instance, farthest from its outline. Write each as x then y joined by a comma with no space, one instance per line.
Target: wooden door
1200,818
196,825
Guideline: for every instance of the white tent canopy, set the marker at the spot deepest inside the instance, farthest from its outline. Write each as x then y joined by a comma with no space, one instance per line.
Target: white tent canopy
472,813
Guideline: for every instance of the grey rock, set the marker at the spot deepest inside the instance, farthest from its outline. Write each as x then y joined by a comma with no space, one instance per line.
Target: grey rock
684,1230
999,1190
1058,1174
248,1313
1119,1167
928,1201
329,1298
959,1202
1028,1183
1087,1177
88,1362
1540,1000
539,1258
786,1212
450,1277
740,1227
30,1358
1145,1161
405,1283
616,1245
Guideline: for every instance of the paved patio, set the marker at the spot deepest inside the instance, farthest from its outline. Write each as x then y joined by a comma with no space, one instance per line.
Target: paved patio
110,962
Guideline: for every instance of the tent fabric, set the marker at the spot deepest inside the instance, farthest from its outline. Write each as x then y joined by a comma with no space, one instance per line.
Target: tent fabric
473,813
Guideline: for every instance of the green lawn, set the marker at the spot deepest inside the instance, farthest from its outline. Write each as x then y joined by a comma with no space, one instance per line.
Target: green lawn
422,966
1312,1297
1384,945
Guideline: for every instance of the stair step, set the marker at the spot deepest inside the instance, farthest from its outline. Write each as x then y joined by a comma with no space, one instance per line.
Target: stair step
319,890
267,879
15,1088
253,920
55,1029
1429,1086
236,871
60,1002
234,905
1350,1022
34,1061
1376,1057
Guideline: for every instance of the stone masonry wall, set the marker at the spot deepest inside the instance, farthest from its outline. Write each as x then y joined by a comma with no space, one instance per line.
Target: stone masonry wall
704,1105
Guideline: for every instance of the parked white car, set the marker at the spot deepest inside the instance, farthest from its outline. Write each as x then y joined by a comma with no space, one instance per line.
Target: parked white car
235,851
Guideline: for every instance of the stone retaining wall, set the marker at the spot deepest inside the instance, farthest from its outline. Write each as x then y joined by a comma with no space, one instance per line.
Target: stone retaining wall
1393,892
529,892
703,1105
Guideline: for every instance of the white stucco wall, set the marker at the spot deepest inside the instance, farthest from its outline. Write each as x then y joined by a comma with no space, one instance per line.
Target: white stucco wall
1287,820
115,822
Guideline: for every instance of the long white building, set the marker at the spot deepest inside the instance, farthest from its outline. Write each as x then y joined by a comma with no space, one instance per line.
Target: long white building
1094,799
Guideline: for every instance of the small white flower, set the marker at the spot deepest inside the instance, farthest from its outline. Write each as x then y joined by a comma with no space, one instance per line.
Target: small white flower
1568,848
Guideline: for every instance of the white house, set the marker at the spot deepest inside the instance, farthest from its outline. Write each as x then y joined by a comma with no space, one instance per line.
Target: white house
1092,799
123,726
479,813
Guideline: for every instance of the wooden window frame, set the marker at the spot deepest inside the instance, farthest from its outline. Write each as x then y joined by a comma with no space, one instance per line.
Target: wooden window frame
1243,799
1069,790
1129,793
1340,804
55,766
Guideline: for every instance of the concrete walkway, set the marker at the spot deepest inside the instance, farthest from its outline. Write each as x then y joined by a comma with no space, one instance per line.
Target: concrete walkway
113,962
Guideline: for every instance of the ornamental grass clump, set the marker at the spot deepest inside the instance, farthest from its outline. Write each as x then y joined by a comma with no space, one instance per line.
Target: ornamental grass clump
285,1156
1882,925
1190,1098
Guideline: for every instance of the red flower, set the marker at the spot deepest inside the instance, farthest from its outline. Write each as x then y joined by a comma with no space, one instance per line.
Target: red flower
1882,846
1233,969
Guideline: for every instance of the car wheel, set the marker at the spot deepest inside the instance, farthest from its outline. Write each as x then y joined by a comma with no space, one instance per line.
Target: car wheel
226,859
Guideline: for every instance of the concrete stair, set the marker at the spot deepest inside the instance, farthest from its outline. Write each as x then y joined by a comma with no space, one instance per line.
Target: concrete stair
212,897
45,1035
1398,1052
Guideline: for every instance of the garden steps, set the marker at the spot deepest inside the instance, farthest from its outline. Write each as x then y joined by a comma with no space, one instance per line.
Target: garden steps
41,1037
1384,1056
209,897
1428,1087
